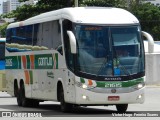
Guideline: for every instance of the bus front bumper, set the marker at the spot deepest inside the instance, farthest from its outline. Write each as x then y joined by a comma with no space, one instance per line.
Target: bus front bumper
84,96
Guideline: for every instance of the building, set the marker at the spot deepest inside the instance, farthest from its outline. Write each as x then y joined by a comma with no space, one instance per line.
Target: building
5,7
10,5
13,5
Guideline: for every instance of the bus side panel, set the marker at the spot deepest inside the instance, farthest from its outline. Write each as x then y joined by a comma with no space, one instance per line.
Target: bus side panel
44,84
69,86
19,76
10,82
2,81
46,75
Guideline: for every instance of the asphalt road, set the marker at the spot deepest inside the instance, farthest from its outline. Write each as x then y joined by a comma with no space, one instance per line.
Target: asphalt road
49,109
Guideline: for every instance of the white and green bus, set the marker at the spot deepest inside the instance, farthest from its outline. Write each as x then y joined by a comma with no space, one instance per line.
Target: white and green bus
82,56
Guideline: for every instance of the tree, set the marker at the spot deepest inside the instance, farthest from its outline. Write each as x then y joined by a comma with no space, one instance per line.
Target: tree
148,14
27,11
149,17
103,3
24,12
3,29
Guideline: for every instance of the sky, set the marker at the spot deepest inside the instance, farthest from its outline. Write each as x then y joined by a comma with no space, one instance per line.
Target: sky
1,6
1,1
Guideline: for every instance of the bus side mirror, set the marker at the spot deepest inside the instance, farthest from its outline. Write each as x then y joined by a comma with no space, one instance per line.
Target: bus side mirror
150,41
72,41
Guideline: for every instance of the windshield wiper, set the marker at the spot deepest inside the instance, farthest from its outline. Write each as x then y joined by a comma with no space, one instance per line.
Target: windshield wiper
122,67
103,65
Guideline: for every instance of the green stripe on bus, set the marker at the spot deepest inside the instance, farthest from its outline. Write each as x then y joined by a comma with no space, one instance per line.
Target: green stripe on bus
19,62
11,62
128,83
82,80
56,54
28,61
42,61
31,77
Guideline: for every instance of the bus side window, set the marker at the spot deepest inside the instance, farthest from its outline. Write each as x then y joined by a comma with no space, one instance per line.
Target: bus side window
20,35
47,34
35,27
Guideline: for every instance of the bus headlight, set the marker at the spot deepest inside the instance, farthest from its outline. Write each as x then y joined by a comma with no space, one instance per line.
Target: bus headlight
139,96
84,86
140,85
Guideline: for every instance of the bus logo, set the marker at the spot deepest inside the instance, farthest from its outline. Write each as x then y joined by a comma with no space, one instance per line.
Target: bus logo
50,74
8,62
45,61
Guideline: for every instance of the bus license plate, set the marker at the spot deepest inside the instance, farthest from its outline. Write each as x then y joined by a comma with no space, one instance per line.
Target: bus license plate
113,98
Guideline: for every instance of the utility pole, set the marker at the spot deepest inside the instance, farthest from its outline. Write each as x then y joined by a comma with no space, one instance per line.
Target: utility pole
128,4
76,3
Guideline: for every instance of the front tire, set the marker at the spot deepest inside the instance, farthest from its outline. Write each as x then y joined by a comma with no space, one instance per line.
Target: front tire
122,108
65,107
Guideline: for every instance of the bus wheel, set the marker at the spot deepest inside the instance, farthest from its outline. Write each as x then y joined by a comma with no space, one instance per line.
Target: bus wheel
65,107
19,101
122,108
15,89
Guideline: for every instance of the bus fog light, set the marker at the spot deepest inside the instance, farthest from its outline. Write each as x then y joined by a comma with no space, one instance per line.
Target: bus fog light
139,97
85,97
140,86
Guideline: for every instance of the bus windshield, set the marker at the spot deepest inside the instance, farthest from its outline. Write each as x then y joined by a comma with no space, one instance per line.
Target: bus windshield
109,50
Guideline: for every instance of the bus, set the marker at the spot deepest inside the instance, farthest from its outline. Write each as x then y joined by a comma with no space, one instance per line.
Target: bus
80,56
2,64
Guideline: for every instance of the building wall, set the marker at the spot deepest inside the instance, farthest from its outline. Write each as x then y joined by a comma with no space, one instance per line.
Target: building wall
5,7
14,4
152,68
10,5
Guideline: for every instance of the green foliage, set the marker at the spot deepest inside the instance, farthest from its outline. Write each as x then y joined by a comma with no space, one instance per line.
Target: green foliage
48,5
149,17
27,11
3,29
103,3
21,13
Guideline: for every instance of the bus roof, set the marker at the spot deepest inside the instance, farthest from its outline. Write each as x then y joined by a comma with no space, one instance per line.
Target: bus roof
90,15
2,39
